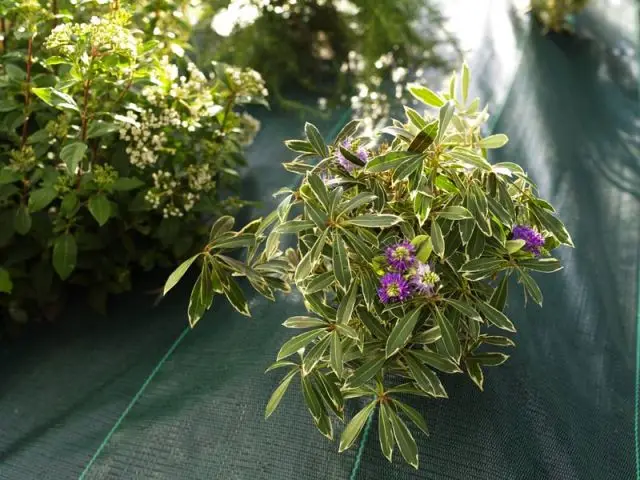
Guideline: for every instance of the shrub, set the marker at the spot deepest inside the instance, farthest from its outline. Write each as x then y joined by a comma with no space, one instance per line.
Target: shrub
555,14
114,150
339,49
404,255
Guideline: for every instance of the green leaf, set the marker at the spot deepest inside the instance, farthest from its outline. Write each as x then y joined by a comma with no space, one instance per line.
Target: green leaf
335,355
544,265
388,161
99,128
41,198
294,344
72,155
8,176
304,322
278,393
436,360
65,252
233,241
320,282
100,208
446,112
6,285
374,220
316,140
493,141
422,206
315,353
222,225
355,202
353,428
463,307
437,239
385,431
495,317
465,82
306,265
531,287
475,372
280,364
404,439
312,399
347,131
425,378
401,332
425,251
499,296
319,189
555,226
514,246
490,359
366,371
449,336
234,294
455,212
126,184
22,221
201,296
413,415
56,98
415,118
299,146
425,95
484,264
497,341
178,273
295,226
477,205
345,309
341,267
468,158
351,157
428,336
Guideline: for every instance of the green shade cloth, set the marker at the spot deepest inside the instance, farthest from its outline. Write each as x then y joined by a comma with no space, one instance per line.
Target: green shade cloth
563,407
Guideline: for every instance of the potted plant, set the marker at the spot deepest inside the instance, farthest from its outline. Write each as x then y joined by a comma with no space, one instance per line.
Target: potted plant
404,255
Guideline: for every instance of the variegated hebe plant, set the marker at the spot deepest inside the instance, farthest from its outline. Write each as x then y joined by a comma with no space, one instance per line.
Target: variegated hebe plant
404,254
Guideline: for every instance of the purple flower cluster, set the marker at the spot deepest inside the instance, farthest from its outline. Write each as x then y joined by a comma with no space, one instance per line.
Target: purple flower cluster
533,240
346,164
407,275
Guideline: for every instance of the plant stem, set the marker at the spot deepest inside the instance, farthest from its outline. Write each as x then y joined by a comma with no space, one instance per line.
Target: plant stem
27,93
227,110
54,10
85,110
3,34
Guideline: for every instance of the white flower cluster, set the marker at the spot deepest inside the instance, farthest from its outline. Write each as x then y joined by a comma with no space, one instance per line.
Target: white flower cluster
145,134
249,128
162,194
101,33
199,179
246,81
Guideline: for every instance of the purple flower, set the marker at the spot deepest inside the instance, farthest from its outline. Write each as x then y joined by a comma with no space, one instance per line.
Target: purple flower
346,164
424,279
534,241
393,287
401,256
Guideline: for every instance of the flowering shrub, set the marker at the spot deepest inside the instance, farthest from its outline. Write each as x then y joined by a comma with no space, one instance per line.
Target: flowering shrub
113,150
403,258
554,14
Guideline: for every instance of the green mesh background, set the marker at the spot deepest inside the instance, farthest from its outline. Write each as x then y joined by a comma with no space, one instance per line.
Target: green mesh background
138,396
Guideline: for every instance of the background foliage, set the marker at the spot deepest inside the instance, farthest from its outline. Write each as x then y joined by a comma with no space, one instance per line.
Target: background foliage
114,147
555,14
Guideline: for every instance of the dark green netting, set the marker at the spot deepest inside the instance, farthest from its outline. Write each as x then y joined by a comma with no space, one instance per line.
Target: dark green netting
561,408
